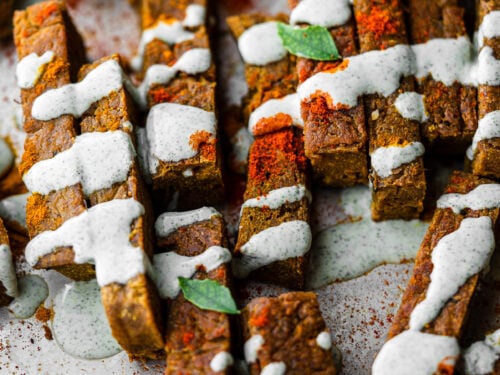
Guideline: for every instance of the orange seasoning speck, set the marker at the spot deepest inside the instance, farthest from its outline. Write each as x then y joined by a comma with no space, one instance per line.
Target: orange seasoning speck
187,337
272,124
378,21
261,319
45,12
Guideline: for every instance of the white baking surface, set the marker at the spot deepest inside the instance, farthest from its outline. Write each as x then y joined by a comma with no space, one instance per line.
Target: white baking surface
358,312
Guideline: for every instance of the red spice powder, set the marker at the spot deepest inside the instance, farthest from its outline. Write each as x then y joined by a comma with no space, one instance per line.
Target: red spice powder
160,95
187,337
378,21
272,124
204,142
261,319
45,12
274,154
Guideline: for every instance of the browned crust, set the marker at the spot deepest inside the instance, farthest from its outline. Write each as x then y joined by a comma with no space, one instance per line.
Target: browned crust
451,319
152,10
485,161
194,336
289,325
401,195
452,109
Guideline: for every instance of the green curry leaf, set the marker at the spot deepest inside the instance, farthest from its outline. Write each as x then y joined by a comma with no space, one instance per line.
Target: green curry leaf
208,295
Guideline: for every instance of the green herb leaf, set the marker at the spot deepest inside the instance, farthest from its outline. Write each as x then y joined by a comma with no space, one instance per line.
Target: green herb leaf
208,295
313,42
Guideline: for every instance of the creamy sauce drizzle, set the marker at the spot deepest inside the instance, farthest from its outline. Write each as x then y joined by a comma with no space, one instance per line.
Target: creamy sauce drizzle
385,159
346,251
251,348
481,356
447,60
288,105
29,69
261,44
221,361
170,32
274,368
420,352
278,197
483,196
100,236
489,27
453,265
288,240
326,13
374,72
96,160
7,271
410,105
170,266
488,69
169,222
76,98
80,325
488,128
6,158
33,290
194,61
324,340
169,129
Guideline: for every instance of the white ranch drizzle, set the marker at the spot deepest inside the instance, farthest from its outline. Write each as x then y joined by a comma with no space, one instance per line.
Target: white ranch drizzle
411,105
278,197
6,158
385,159
76,98
221,361
194,61
169,222
29,69
324,340
251,347
324,13
171,32
487,128
169,129
188,172
241,143
453,265
447,60
99,236
288,105
195,15
346,251
97,160
480,357
368,73
274,368
481,197
288,240
168,267
33,290
7,271
13,208
488,68
489,27
80,325
416,351
261,44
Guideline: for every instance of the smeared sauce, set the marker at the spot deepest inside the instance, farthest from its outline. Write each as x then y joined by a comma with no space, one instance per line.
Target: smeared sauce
288,240
30,68
169,129
480,357
80,326
169,222
420,352
411,105
481,197
96,160
261,44
13,208
385,159
100,236
456,257
487,128
326,13
168,267
33,290
241,143
7,271
6,158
